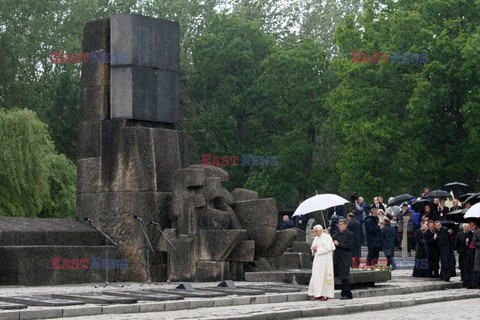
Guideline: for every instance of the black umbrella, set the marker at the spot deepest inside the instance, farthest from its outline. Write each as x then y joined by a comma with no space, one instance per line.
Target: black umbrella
448,224
439,194
458,188
400,199
463,197
420,204
474,198
456,215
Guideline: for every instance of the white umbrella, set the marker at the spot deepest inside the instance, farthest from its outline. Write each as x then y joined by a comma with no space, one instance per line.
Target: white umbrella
319,202
473,212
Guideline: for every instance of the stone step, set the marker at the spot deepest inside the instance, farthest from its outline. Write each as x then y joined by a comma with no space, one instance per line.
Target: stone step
266,306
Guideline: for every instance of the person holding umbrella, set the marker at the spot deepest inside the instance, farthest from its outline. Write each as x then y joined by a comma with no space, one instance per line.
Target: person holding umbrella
429,211
342,257
421,252
447,269
433,251
461,247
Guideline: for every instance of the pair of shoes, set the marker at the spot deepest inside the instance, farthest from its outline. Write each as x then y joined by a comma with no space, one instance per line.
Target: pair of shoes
323,298
316,298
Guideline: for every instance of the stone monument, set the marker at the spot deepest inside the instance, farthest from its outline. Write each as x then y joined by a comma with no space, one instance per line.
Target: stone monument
128,147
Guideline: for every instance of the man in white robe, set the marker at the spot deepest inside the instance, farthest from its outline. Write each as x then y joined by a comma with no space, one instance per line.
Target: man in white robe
322,282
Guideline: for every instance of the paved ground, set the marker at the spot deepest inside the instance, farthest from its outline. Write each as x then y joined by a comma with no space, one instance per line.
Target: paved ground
462,309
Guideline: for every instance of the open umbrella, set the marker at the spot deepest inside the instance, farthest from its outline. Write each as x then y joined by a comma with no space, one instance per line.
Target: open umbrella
319,202
474,198
463,197
420,204
439,194
400,199
456,215
473,212
458,188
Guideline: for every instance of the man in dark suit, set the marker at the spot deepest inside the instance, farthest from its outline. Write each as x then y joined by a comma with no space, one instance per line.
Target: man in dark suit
374,242
390,240
461,247
356,228
342,257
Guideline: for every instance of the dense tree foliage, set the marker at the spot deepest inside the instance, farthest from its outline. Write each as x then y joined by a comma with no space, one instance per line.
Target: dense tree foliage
267,78
34,179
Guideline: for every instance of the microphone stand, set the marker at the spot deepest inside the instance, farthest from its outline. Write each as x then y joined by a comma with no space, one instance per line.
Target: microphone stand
147,242
159,228
107,238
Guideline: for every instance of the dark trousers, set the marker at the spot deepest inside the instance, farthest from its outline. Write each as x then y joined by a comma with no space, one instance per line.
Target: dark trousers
461,264
433,266
346,292
391,261
470,277
373,254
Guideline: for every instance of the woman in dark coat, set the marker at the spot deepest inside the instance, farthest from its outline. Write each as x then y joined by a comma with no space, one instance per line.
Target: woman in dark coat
421,260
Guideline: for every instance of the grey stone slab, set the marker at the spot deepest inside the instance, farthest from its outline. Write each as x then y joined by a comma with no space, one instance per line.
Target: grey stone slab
238,291
152,307
315,312
200,303
89,175
95,74
96,35
38,300
238,301
120,309
191,294
10,306
168,45
81,311
40,314
135,35
94,103
176,305
9,315
168,96
89,140
144,295
94,298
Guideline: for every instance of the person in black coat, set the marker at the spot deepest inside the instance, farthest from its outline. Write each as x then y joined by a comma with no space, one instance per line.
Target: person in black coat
469,279
461,247
390,240
286,223
302,221
447,269
356,228
433,252
420,268
342,257
374,242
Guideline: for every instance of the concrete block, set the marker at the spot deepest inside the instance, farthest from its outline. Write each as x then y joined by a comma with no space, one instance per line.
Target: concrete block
176,305
336,310
168,45
168,96
407,303
40,314
96,35
89,140
9,315
297,297
94,103
278,298
135,35
222,302
200,304
152,307
119,309
95,74
315,312
81,311
89,175
260,299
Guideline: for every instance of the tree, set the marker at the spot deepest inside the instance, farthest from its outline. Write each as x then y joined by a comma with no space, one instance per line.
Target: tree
32,176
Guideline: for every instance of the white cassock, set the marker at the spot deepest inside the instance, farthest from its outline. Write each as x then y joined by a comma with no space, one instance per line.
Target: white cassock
322,281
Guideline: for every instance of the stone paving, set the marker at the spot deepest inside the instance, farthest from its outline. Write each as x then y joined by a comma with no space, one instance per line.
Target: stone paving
402,290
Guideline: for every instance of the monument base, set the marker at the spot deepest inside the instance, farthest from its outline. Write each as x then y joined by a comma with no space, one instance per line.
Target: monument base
358,278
